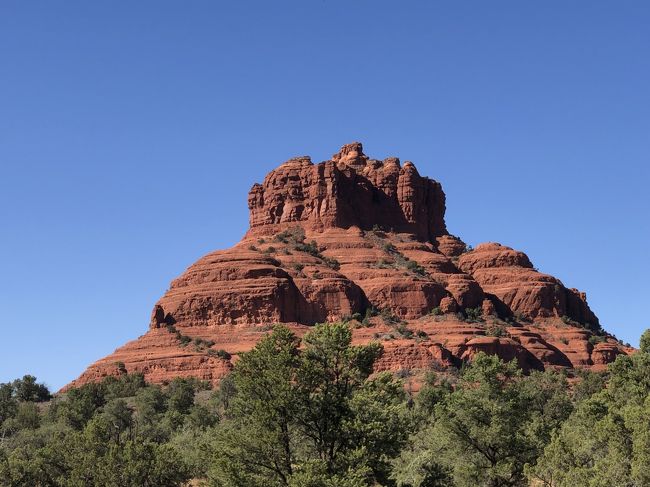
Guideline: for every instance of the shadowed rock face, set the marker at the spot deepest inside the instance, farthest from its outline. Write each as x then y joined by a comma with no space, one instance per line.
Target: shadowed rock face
346,238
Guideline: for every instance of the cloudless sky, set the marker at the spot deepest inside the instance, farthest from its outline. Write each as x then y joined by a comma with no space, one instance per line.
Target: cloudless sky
131,132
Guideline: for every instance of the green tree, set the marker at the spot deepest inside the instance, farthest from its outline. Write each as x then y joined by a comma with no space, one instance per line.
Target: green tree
119,419
484,432
644,342
310,418
180,395
78,405
94,456
27,389
255,447
8,403
606,441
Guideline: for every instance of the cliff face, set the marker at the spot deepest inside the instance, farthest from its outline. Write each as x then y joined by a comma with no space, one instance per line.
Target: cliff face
365,241
350,190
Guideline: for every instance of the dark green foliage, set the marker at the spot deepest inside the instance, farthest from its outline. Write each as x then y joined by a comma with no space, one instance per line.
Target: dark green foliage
473,315
332,263
436,311
416,268
311,248
101,434
201,345
596,339
310,418
293,235
388,248
313,414
589,384
606,441
353,316
8,403
644,342
80,404
389,317
221,353
180,393
486,430
369,313
495,330
26,389
125,386
404,330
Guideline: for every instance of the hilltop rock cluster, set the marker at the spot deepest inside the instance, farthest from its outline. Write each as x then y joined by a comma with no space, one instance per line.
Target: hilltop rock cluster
365,241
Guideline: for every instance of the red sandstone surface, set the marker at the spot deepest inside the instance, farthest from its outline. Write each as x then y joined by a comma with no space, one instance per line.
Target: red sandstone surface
350,238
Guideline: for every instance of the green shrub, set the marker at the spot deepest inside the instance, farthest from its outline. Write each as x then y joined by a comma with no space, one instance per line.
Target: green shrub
416,268
435,311
369,313
596,339
353,316
332,263
389,248
403,330
473,314
311,248
384,264
495,331
200,344
221,353
294,235
644,342
388,316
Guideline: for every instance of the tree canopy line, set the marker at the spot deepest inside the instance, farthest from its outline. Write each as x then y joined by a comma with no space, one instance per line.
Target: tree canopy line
317,416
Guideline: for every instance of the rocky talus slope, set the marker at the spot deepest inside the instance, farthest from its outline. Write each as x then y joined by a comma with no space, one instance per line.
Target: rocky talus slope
365,241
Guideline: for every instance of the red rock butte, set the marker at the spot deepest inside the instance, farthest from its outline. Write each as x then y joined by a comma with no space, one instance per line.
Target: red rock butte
365,241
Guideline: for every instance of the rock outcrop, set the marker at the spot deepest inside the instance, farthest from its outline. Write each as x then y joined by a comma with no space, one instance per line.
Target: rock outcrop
362,240
349,190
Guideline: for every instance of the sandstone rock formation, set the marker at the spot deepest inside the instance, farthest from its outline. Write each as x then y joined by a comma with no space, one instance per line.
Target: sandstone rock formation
365,241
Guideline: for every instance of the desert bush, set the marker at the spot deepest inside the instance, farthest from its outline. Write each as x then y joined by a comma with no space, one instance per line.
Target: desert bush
473,314
436,311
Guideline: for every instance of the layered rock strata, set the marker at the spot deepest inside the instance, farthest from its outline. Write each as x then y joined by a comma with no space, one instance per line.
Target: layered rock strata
365,241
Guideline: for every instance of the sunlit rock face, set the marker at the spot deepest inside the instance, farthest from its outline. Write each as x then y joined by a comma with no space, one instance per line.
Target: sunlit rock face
355,237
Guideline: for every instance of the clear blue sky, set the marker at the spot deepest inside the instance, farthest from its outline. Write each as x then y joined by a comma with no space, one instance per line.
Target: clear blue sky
130,133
